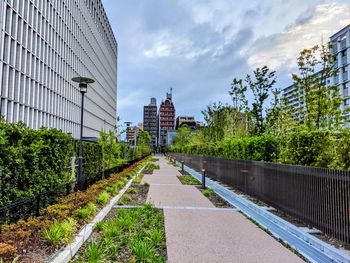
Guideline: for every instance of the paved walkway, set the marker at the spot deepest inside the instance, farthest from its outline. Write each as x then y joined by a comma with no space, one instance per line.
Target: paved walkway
207,235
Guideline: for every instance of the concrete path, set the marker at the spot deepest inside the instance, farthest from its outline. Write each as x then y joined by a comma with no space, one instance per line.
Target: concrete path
207,234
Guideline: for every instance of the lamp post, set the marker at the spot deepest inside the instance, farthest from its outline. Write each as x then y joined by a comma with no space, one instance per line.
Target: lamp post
83,82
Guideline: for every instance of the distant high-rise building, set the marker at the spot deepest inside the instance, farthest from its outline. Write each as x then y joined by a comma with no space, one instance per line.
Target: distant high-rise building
166,119
186,120
43,44
150,121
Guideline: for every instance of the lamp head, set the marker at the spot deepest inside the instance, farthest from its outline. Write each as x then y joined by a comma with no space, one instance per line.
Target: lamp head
83,81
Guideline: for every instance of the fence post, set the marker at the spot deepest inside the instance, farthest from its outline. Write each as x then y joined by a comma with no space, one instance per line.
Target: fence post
203,178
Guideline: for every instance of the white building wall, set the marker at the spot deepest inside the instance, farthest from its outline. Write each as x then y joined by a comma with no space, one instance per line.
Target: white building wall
44,43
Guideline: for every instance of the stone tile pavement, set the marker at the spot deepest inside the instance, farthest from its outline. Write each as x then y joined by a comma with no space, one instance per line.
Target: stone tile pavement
200,235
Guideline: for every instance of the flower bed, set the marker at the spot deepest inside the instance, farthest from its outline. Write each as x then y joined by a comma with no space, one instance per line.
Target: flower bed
35,239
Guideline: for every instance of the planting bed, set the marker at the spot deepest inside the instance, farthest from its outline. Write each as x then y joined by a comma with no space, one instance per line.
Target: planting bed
188,179
135,195
215,198
36,239
127,235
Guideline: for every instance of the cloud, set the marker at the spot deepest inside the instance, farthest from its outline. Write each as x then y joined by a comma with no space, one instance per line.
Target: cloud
280,50
198,46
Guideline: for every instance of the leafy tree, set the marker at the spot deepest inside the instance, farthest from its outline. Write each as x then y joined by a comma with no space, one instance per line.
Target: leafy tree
183,136
320,101
237,93
260,85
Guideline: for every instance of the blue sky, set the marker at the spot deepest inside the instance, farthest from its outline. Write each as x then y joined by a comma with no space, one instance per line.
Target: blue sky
198,46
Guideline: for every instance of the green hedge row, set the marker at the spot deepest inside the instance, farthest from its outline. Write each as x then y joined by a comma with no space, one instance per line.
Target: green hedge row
309,148
259,148
33,161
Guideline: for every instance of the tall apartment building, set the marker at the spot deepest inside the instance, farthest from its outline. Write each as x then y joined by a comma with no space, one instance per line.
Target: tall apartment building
340,43
150,121
166,119
43,44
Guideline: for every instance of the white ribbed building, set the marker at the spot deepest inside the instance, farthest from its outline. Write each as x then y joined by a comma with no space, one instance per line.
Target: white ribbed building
43,44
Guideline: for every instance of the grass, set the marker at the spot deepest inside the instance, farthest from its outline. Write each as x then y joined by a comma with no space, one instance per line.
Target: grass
103,198
151,166
207,192
94,253
86,212
124,199
188,179
138,179
132,190
60,233
137,234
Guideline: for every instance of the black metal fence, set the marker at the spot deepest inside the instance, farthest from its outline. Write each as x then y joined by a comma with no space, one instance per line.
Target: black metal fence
317,196
23,208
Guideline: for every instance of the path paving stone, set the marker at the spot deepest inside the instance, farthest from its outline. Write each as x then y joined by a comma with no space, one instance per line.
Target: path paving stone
177,195
213,235
161,179
219,236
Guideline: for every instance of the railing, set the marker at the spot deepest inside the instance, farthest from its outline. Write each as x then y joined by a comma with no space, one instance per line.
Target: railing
317,196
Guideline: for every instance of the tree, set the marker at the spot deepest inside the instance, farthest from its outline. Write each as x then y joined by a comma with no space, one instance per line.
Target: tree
260,85
237,93
320,101
183,136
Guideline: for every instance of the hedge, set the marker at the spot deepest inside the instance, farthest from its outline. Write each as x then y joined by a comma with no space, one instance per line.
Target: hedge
318,148
259,148
34,161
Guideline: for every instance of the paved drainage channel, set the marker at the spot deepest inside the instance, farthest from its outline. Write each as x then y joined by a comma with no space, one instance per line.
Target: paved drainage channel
312,248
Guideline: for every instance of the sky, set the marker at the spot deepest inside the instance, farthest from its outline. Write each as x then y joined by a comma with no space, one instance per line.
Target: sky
197,47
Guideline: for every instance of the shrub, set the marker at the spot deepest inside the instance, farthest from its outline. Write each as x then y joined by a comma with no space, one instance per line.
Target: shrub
7,251
258,148
207,192
86,212
60,232
103,198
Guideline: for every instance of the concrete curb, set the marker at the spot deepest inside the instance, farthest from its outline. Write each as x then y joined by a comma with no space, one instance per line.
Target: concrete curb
67,253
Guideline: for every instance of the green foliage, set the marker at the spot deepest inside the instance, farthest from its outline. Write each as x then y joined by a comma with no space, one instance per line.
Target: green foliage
261,85
124,199
208,192
103,198
151,166
94,252
143,250
259,148
188,179
86,212
321,101
60,232
32,161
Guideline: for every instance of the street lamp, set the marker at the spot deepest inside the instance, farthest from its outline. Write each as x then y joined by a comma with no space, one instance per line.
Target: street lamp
83,82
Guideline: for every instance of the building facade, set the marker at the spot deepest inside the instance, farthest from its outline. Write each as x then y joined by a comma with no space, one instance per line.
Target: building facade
166,119
340,42
340,47
186,120
43,44
150,121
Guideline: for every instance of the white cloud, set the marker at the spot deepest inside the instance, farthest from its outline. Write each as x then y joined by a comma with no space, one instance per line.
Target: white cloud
279,51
